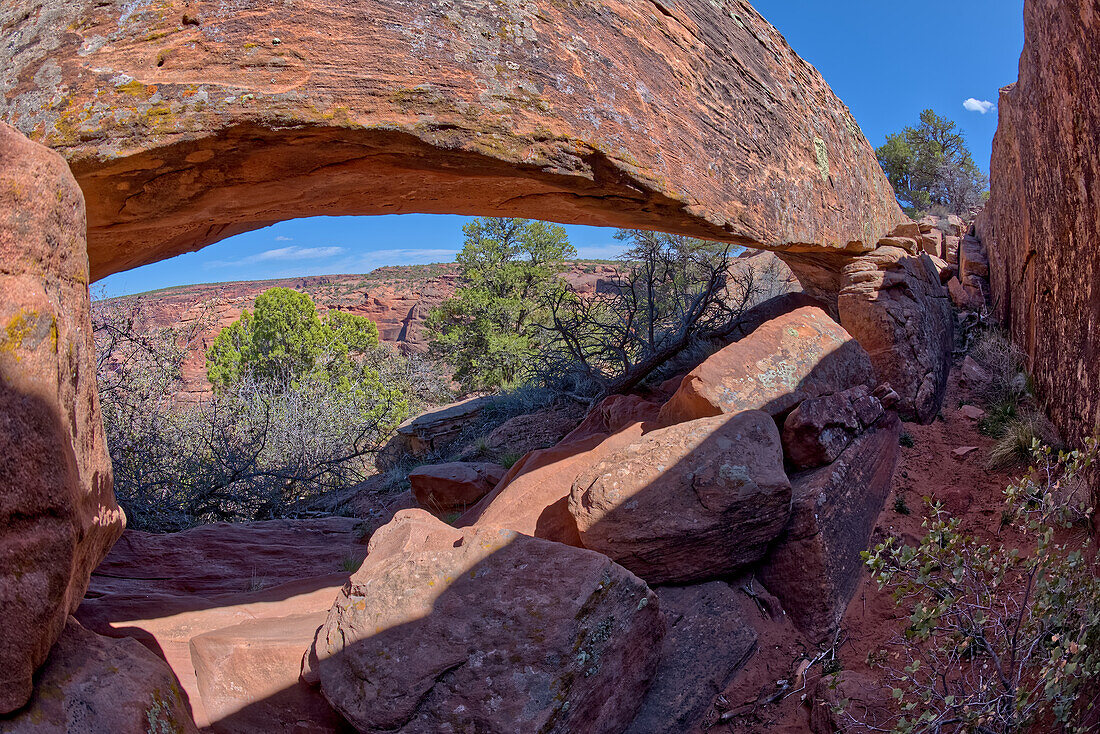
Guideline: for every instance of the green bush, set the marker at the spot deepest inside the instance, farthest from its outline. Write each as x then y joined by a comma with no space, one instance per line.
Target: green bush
998,639
298,416
488,330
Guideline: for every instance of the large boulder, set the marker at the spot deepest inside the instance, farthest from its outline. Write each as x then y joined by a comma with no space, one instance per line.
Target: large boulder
533,497
96,684
612,414
58,515
451,487
189,123
255,584
487,630
691,502
1040,227
708,642
798,355
893,303
815,565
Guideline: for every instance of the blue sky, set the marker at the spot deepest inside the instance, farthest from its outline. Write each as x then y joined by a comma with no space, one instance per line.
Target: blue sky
886,60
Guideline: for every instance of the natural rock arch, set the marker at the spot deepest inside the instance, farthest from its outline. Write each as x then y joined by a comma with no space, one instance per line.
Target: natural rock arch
186,122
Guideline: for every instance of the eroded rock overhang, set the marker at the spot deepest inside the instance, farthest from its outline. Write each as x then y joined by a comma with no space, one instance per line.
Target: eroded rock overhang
186,122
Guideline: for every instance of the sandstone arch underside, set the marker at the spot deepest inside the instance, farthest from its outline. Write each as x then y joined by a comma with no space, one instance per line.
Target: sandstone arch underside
186,122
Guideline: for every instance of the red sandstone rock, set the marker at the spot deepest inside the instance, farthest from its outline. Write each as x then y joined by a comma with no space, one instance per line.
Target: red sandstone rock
820,429
185,133
57,509
165,590
950,251
1040,227
533,496
444,488
612,414
972,259
893,304
248,677
96,684
431,431
692,502
526,433
972,412
815,565
487,630
798,355
708,642
974,375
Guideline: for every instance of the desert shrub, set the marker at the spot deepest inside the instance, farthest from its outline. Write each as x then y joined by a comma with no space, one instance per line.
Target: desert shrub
271,442
1016,439
423,381
1013,415
256,451
674,295
1005,361
998,639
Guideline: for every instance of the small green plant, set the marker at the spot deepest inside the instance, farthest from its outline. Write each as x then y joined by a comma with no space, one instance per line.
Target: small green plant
257,583
906,440
997,417
351,564
1017,442
998,640
900,506
509,458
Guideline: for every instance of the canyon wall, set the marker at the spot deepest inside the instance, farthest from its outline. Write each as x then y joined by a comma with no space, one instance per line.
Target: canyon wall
1042,224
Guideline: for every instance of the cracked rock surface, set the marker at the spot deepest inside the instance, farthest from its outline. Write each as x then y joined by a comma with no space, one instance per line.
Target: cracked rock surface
487,630
187,122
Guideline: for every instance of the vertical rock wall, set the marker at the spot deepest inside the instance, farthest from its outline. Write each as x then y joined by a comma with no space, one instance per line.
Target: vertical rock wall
58,515
1042,224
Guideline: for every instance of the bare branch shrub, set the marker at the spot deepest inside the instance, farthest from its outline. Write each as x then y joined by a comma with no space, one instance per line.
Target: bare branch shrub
1013,415
254,451
674,292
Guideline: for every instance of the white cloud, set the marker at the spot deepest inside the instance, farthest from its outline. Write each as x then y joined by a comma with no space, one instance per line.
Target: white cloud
979,105
282,238
280,254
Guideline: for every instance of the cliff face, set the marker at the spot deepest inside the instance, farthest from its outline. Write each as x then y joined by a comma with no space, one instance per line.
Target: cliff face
1042,224
397,299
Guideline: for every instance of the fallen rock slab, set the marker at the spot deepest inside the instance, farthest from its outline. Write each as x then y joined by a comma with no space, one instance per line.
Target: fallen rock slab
97,684
165,590
798,355
248,677
691,502
487,630
707,644
453,487
533,497
815,565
